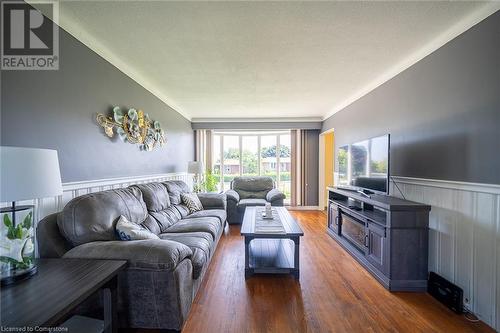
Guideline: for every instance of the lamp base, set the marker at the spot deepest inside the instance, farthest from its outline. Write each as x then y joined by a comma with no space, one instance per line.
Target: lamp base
10,271
22,275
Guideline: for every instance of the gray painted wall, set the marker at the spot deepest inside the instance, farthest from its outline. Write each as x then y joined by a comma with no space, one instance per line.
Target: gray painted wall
443,113
312,167
56,109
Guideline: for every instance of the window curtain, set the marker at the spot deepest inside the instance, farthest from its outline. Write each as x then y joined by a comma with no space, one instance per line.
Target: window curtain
203,147
301,163
298,167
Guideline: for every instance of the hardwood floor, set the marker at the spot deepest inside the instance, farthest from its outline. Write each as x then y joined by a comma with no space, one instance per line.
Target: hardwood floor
335,294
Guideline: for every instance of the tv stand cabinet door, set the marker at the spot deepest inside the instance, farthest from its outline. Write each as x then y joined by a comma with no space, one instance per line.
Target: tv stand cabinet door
333,218
378,247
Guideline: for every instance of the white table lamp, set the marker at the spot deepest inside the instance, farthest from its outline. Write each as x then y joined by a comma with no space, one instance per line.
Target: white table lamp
196,168
26,174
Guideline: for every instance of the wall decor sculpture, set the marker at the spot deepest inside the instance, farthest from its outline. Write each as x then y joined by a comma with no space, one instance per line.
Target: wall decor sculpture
133,126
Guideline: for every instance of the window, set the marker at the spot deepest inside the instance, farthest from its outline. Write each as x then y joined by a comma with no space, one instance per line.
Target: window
216,160
253,154
231,159
268,144
250,155
285,155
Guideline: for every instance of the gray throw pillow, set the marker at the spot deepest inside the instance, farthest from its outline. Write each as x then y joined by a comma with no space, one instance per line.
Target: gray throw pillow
192,202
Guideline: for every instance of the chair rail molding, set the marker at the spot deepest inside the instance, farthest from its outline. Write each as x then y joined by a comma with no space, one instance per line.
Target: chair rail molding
464,237
46,206
450,184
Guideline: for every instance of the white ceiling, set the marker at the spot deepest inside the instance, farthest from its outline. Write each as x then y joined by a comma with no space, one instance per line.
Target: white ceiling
265,59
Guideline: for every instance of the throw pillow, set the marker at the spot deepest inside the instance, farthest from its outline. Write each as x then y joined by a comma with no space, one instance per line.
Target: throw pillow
192,202
127,230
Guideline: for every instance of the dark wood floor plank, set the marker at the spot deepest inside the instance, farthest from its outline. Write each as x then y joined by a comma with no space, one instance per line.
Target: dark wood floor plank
334,294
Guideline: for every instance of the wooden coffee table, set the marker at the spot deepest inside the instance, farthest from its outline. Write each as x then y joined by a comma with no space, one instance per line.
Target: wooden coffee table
271,253
47,298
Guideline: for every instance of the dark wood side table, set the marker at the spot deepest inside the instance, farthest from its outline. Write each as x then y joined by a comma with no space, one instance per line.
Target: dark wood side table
46,299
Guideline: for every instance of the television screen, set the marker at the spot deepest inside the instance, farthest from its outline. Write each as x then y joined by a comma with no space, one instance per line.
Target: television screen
365,164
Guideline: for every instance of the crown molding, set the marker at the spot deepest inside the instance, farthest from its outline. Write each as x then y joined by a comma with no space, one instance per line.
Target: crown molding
257,120
457,29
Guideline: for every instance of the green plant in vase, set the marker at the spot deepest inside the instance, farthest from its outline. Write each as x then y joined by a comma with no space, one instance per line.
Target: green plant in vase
17,246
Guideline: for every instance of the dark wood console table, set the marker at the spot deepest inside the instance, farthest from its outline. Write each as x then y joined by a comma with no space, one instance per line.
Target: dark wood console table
47,298
389,236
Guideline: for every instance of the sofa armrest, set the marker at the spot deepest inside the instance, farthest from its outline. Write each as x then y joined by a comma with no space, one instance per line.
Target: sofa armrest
152,254
275,195
213,200
51,244
232,195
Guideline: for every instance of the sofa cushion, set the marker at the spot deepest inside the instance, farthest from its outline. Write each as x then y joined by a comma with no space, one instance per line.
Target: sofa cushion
219,213
178,235
244,203
155,195
203,224
175,188
183,210
166,217
92,217
252,187
161,214
199,242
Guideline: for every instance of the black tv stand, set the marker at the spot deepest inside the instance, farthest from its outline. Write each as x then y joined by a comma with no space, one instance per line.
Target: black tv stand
387,235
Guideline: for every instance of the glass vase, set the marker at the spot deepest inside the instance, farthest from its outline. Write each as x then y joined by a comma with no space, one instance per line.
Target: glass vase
17,248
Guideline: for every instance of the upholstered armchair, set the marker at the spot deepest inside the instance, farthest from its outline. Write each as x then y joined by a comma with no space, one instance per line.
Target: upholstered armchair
250,191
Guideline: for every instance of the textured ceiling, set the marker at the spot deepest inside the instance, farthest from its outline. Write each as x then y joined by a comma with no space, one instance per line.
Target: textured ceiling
265,59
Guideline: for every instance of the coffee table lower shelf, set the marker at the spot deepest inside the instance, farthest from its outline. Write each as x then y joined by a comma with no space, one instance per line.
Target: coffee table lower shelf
272,256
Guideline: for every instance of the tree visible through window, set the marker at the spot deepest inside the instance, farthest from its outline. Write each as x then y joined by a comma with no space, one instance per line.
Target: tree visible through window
253,154
250,155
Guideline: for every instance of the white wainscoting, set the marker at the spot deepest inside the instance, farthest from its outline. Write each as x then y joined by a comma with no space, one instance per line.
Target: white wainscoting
46,206
464,239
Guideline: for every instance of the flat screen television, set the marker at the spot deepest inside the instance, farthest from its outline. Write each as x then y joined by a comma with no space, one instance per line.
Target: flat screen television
364,165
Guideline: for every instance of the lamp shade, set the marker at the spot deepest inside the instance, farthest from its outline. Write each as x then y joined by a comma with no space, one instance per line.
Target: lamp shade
195,167
28,173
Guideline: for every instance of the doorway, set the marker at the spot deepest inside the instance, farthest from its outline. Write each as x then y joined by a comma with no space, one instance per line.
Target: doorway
326,165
